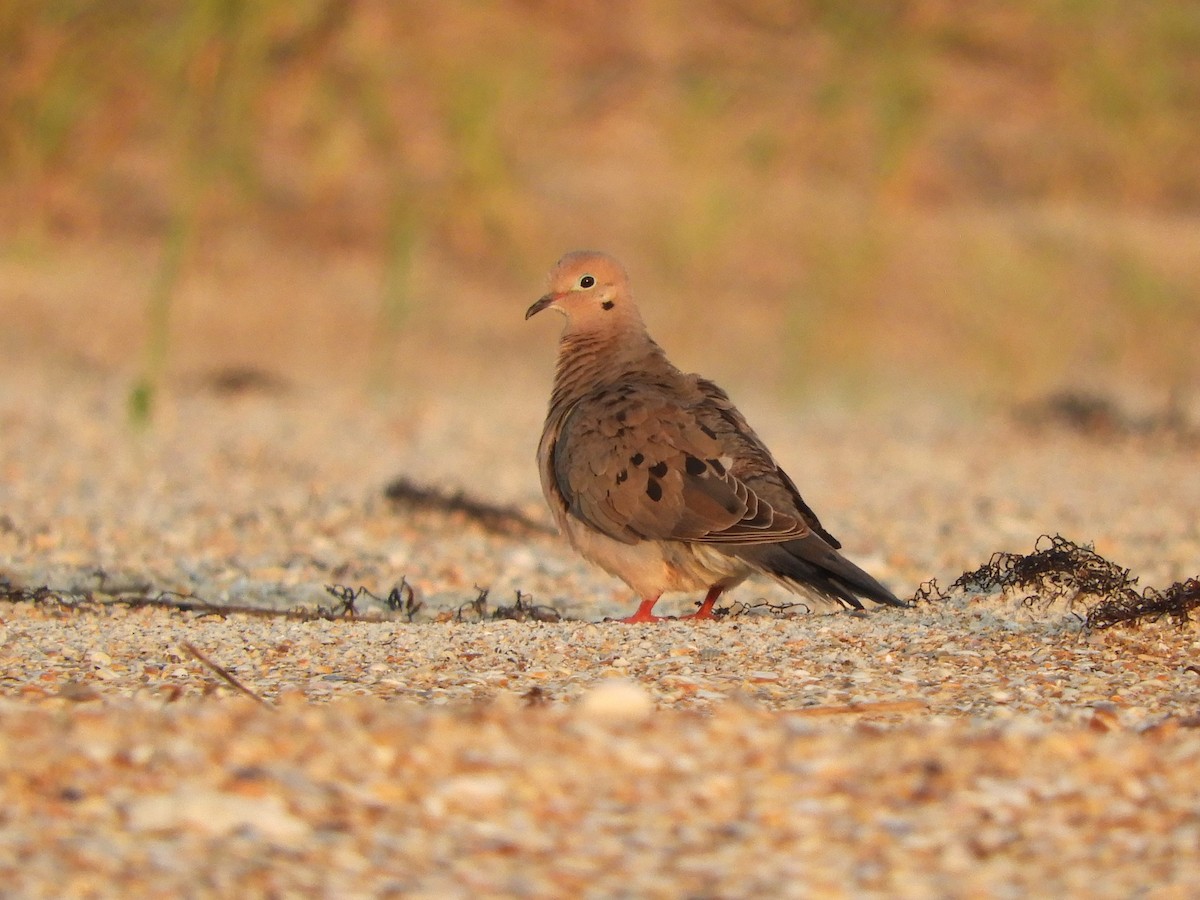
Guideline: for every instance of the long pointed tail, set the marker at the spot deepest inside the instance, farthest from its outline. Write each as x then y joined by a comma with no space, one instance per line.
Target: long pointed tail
812,563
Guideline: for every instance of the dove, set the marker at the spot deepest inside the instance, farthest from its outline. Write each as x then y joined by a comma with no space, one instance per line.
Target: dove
655,476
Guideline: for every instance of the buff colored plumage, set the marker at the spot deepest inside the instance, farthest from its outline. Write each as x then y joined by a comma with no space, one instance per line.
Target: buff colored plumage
655,476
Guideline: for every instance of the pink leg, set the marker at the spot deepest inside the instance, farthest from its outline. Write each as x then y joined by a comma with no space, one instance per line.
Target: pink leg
644,613
706,608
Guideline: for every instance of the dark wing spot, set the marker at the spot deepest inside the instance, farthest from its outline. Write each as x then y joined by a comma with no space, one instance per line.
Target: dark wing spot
653,490
621,476
607,304
659,469
637,459
717,467
712,434
694,466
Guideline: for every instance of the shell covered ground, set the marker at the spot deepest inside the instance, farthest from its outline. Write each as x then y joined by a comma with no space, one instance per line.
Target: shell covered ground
292,640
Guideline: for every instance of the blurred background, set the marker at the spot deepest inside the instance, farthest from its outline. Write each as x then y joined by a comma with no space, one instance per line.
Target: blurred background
820,198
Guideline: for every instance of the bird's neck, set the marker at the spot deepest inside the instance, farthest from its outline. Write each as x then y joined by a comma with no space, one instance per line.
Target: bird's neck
587,360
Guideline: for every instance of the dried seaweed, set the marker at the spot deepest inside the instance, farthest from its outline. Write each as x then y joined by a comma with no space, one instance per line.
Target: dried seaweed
241,380
41,594
88,601
1096,416
524,610
779,610
401,598
929,591
1060,568
507,520
1177,601
1077,411
476,607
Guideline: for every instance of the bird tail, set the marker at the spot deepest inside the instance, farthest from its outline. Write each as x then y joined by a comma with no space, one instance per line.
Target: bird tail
810,563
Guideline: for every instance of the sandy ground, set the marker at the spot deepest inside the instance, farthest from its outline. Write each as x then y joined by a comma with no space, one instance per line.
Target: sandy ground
978,745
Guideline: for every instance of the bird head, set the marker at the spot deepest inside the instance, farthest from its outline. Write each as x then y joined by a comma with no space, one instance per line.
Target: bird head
591,289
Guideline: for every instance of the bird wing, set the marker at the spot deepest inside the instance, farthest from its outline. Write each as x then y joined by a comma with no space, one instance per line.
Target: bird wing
638,462
755,464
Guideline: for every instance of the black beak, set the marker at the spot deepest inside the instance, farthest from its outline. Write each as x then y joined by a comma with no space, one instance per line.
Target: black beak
540,305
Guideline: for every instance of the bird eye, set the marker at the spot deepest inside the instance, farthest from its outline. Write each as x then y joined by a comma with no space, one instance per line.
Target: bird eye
587,281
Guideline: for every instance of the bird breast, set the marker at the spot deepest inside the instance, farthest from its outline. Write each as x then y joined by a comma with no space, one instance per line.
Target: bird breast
654,567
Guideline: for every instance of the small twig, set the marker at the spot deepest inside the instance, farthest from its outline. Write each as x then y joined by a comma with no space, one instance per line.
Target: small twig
224,674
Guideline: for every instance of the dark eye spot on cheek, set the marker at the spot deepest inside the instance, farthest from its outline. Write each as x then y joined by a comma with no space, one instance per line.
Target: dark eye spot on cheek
608,304
653,490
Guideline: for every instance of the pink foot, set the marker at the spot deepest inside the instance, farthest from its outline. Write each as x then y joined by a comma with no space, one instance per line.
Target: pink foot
706,608
643,613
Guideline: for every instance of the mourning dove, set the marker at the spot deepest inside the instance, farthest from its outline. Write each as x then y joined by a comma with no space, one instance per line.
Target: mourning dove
654,475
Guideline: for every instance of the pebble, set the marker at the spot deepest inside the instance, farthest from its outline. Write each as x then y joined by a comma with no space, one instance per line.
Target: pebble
616,700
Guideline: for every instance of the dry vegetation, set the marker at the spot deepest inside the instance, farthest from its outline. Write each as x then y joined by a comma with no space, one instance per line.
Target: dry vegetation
1005,197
